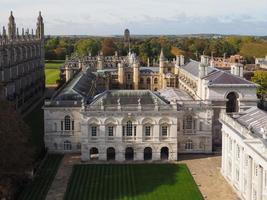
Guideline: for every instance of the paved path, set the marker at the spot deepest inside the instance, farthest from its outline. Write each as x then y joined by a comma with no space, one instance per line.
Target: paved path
206,172
59,185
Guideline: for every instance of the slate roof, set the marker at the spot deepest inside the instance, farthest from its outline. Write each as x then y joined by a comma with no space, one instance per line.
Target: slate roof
254,119
216,76
149,69
222,77
128,97
174,94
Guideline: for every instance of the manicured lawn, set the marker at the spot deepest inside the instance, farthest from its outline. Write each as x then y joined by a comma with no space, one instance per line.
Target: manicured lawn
139,182
52,71
39,187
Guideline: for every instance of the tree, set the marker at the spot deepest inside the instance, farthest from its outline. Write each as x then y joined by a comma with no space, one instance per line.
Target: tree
16,152
260,78
85,46
108,47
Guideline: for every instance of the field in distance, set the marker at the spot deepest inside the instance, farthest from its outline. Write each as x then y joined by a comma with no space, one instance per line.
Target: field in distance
138,182
52,71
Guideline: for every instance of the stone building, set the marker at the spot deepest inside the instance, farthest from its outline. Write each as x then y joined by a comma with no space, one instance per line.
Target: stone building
244,153
113,108
126,38
22,64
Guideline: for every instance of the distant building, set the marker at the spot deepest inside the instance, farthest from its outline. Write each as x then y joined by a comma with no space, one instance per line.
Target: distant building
22,64
262,62
127,38
244,152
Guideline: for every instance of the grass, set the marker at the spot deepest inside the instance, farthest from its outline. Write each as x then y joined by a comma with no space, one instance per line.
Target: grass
35,120
52,71
132,182
39,188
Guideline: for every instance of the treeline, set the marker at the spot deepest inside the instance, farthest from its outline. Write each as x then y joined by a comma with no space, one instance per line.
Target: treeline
57,48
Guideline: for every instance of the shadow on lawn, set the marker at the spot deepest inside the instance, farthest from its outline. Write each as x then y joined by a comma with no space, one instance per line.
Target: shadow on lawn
130,182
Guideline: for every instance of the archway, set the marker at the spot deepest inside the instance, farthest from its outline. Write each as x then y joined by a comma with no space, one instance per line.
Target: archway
232,102
164,153
148,153
111,153
129,153
94,153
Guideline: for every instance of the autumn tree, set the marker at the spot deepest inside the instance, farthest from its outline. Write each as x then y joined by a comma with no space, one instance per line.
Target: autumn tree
260,78
108,47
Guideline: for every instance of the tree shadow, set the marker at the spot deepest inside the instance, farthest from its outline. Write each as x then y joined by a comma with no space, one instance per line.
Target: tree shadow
184,157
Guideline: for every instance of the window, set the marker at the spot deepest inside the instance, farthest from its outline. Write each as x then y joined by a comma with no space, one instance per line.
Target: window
141,81
238,152
129,128
147,130
67,123
129,77
188,122
201,126
148,81
93,131
110,131
155,81
189,145
164,130
67,145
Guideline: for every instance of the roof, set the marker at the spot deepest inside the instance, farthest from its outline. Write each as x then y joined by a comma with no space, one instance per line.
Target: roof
128,97
192,68
174,94
216,76
149,69
223,77
254,119
82,85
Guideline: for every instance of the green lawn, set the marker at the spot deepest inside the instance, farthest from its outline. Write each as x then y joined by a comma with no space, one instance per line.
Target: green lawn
139,182
38,189
52,71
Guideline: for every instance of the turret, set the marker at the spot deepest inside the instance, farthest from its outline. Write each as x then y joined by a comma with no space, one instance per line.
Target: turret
100,61
40,27
203,66
68,73
136,74
161,62
237,69
11,27
121,75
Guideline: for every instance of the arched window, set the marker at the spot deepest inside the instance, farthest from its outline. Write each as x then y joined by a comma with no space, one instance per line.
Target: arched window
129,128
232,103
67,145
189,145
141,81
156,81
188,122
148,81
67,123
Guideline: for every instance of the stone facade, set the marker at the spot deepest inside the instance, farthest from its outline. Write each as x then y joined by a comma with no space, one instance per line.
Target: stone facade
22,64
244,158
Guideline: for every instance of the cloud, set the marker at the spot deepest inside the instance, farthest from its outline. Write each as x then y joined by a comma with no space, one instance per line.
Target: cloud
105,17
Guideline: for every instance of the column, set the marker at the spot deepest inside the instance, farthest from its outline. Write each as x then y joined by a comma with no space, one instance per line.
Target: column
139,132
102,132
259,189
249,177
223,153
156,133
118,133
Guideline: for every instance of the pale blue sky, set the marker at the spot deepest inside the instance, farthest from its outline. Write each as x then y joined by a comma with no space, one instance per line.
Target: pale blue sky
109,17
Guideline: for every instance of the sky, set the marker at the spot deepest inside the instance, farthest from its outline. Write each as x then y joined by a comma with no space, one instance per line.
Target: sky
157,17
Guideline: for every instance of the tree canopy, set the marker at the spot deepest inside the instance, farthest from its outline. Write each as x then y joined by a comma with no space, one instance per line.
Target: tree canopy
260,77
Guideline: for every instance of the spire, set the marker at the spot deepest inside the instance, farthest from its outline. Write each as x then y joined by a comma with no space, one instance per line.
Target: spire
161,57
40,27
11,26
